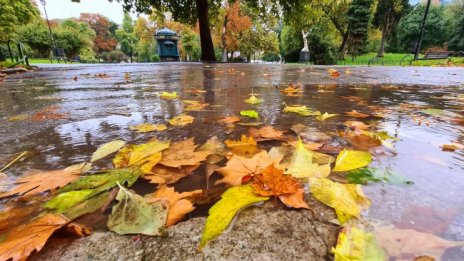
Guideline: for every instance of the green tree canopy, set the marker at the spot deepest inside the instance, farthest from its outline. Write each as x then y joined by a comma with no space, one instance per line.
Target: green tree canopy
13,14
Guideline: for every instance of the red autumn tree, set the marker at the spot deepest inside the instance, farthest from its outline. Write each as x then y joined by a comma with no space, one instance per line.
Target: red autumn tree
104,40
234,24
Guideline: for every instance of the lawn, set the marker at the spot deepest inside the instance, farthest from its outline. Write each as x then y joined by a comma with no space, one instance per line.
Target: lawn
393,59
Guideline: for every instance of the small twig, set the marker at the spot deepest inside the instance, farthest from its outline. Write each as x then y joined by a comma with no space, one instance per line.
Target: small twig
13,161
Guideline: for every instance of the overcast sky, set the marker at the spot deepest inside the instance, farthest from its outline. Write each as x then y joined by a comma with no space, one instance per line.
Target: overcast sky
66,9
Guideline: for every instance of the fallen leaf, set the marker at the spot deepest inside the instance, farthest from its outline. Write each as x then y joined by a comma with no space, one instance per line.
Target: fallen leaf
302,166
229,119
364,175
78,230
244,146
250,114
64,201
81,167
353,98
20,117
89,206
250,124
294,200
333,73
409,243
223,212
49,113
194,105
253,100
145,155
181,120
215,148
325,116
352,159
107,149
178,205
355,244
168,96
309,133
183,153
266,133
356,114
238,167
308,145
290,90
345,198
300,109
452,147
22,240
40,182
134,214
148,127
356,125
167,175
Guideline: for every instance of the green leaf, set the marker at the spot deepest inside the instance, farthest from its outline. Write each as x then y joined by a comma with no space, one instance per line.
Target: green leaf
352,159
224,211
253,100
136,215
107,149
354,244
89,206
65,201
250,114
301,109
103,182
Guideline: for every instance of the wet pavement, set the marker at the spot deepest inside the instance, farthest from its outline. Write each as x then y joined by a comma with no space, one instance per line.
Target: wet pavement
63,113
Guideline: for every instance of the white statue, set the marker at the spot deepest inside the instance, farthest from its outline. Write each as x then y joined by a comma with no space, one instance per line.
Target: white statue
305,41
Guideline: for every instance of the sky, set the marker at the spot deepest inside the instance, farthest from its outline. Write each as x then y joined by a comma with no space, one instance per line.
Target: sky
66,9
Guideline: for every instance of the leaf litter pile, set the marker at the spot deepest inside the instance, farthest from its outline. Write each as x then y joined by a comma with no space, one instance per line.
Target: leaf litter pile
263,164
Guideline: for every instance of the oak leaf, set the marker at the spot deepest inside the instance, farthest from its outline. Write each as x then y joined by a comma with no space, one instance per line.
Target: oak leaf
183,153
22,240
266,133
238,167
41,182
244,146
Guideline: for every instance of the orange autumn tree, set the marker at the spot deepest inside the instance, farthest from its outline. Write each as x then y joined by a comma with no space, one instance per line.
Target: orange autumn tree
104,40
234,24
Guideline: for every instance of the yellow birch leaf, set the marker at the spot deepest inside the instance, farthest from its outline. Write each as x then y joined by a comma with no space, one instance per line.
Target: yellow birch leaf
300,109
352,159
223,212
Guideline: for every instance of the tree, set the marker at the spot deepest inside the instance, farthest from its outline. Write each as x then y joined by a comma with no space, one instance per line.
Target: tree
456,42
104,40
37,37
359,14
386,18
146,44
258,39
13,14
126,36
190,44
73,36
234,24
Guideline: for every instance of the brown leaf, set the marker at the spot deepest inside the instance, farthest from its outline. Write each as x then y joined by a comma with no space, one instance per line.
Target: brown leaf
183,153
272,182
266,133
356,125
178,205
229,119
294,200
244,146
22,240
78,230
238,167
362,142
408,243
356,114
452,147
168,175
42,181
48,113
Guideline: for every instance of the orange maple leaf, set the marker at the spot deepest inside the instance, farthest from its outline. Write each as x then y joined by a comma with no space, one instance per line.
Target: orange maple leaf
244,146
266,133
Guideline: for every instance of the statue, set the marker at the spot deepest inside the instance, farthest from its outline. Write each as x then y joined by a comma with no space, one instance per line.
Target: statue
305,41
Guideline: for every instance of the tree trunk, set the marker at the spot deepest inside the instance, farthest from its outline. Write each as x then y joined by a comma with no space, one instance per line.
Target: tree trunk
223,40
382,42
207,47
342,49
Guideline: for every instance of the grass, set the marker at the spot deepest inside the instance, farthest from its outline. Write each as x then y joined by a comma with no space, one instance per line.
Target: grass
393,59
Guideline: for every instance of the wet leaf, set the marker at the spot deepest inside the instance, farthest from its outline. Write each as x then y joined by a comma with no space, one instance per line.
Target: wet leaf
290,90
134,214
181,120
244,146
20,117
434,112
356,114
355,244
88,206
272,182
138,155
364,175
250,124
168,95
253,100
179,206
37,183
325,116
345,198
309,133
452,147
352,159
238,167
194,105
167,175
302,166
250,114
356,125
266,133
66,200
300,109
78,230
215,148
408,242
107,149
183,153
308,145
49,113
81,167
22,240
148,127
229,119
333,73
223,212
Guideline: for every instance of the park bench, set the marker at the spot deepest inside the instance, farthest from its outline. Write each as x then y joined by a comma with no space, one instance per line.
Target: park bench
437,55
58,55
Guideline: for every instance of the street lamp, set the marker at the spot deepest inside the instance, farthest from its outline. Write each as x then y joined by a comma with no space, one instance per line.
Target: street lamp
48,22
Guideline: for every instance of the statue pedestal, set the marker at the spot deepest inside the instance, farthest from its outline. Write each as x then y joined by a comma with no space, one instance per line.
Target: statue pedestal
304,56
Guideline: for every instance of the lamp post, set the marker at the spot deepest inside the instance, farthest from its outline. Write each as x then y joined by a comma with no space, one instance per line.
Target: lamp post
418,46
48,23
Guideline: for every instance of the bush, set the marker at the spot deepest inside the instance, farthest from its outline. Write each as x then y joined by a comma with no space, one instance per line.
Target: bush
115,56
155,58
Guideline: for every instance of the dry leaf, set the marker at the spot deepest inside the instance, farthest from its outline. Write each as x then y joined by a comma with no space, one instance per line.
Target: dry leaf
183,153
239,167
356,114
245,146
21,241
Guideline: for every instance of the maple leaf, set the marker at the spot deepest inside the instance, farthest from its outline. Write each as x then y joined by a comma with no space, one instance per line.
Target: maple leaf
167,175
238,167
302,165
216,150
145,155
356,114
266,133
41,182
22,240
229,119
244,146
178,205
182,153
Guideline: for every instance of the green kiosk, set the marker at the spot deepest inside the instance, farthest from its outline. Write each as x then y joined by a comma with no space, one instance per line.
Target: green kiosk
167,45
